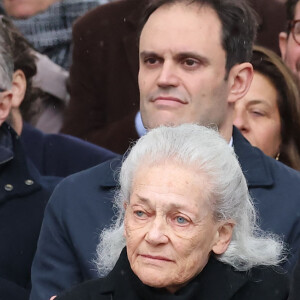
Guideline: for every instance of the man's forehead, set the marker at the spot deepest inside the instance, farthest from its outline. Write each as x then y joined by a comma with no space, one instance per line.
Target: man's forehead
182,23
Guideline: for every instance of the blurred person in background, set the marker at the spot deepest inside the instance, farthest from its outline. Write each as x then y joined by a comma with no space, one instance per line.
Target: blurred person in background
47,24
23,191
269,114
53,154
289,40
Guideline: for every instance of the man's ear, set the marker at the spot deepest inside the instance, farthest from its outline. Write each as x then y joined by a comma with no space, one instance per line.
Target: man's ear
18,88
283,38
224,235
239,78
5,105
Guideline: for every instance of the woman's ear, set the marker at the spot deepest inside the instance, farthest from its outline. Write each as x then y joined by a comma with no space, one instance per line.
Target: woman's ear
18,89
224,235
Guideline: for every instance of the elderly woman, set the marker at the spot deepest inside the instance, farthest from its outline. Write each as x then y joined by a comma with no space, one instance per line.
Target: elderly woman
186,225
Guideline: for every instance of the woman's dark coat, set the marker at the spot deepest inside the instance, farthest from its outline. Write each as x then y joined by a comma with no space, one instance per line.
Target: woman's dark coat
217,281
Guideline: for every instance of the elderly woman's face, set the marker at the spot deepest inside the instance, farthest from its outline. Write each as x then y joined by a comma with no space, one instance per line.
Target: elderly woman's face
169,227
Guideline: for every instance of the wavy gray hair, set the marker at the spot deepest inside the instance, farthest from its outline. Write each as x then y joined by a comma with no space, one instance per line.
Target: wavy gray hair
6,59
203,149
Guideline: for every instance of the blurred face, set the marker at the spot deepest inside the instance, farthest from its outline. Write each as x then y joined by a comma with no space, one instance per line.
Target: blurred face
290,50
182,68
26,8
169,227
257,116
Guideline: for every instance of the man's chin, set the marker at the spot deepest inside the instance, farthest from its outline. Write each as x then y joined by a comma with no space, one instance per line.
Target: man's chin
163,122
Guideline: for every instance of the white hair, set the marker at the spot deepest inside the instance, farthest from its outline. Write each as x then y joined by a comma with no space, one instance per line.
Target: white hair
203,149
6,58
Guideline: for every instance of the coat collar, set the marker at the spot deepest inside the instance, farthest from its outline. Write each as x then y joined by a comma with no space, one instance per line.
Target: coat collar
215,277
254,164
110,171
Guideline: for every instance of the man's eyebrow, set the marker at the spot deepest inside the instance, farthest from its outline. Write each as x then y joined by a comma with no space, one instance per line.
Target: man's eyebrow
179,56
144,54
190,54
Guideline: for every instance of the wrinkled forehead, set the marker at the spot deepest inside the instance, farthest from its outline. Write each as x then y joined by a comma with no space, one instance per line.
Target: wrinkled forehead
170,177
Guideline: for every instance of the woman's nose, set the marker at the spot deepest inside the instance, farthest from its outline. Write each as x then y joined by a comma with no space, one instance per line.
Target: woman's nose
157,233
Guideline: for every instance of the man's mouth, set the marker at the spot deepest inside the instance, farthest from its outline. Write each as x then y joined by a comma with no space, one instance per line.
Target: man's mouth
165,99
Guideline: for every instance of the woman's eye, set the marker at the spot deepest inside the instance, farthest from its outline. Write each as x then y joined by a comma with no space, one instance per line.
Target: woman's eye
257,113
181,220
139,213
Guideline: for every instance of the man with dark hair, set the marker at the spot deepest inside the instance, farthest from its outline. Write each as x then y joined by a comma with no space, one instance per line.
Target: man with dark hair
106,52
193,68
289,41
23,191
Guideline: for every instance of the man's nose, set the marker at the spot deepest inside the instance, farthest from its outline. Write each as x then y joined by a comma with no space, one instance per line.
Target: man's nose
157,233
168,75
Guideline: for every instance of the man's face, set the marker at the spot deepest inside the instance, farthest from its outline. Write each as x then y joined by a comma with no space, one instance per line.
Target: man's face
182,68
290,50
26,8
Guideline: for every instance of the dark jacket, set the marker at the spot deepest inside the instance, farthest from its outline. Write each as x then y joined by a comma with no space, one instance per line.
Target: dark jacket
23,197
295,282
82,205
104,93
61,154
216,281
